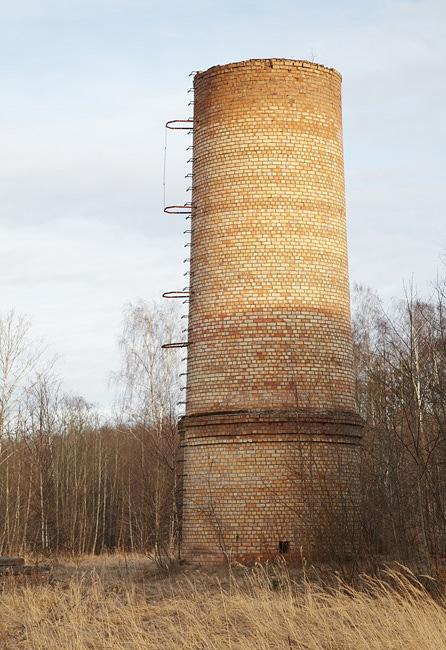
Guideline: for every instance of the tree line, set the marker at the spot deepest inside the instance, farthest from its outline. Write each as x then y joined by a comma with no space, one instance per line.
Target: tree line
71,482
401,394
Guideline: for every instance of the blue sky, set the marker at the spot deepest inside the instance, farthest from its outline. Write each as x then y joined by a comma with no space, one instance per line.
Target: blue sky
85,88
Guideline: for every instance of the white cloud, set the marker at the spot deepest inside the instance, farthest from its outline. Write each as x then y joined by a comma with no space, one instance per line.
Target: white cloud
81,226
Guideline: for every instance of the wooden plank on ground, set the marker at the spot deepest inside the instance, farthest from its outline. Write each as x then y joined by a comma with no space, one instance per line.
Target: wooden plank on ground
11,561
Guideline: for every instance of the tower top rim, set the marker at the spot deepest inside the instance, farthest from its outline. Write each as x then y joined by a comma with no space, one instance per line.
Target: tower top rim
268,63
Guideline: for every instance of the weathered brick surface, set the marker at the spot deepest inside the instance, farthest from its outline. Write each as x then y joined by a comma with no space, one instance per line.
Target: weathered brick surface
269,326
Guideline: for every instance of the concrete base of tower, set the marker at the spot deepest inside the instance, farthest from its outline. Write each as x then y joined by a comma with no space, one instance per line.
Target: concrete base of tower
258,484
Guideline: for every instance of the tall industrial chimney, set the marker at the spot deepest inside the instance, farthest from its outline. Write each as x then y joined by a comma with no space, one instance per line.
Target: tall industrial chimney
271,437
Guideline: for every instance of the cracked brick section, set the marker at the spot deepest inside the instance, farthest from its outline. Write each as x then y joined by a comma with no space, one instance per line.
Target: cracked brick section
269,325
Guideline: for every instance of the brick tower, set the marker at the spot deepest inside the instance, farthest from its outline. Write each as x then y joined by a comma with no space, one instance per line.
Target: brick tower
271,435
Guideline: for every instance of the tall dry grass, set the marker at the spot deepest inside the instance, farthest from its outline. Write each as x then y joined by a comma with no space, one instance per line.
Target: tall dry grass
256,610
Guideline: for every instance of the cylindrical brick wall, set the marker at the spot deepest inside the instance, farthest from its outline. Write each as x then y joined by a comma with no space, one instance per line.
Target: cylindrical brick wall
270,389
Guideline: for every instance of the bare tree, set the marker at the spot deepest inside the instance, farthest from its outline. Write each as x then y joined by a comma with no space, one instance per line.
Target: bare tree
19,358
149,393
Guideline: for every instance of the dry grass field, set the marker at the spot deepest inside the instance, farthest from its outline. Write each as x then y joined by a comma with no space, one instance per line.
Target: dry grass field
124,603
